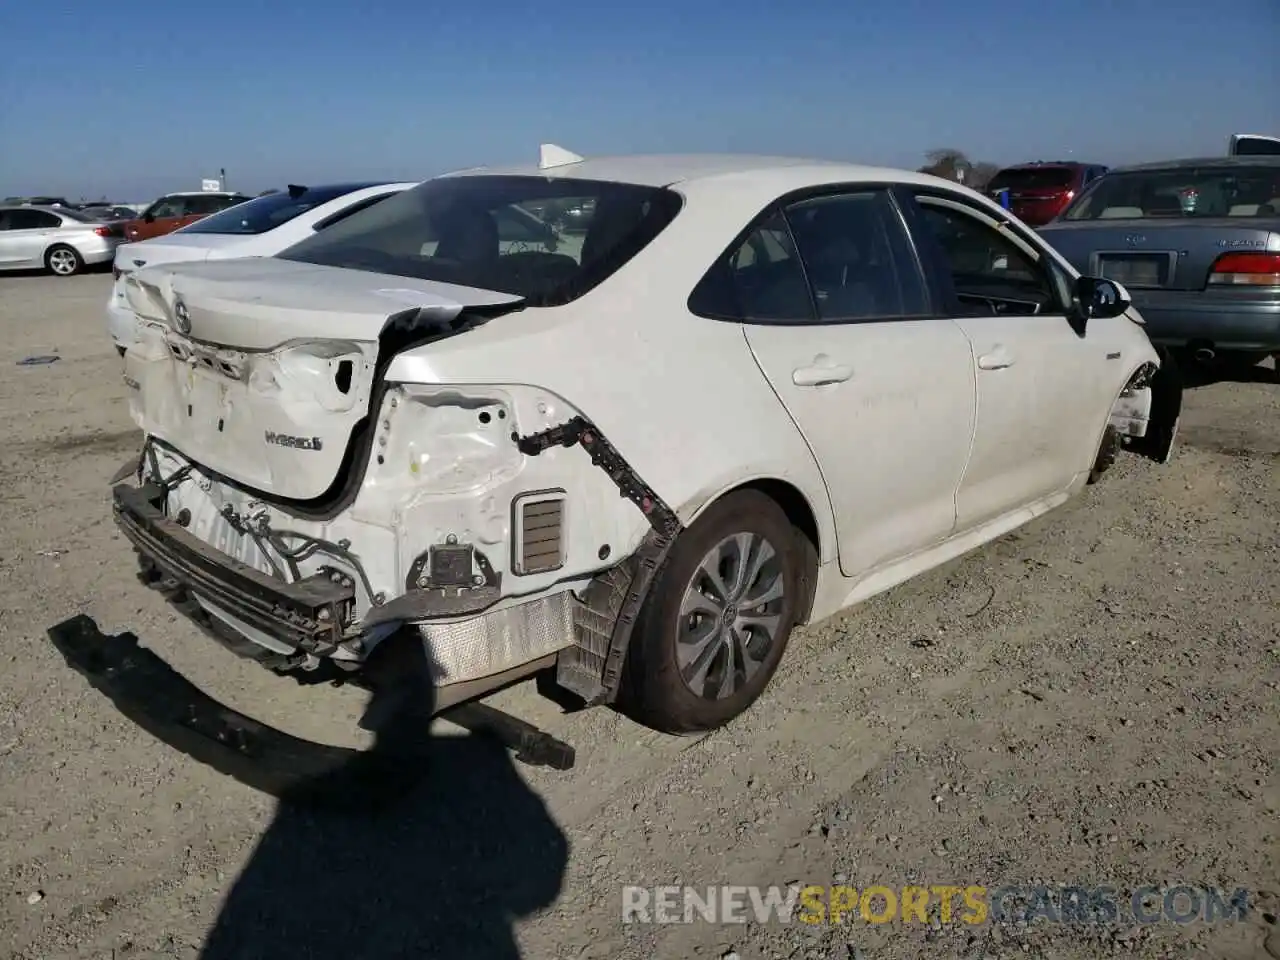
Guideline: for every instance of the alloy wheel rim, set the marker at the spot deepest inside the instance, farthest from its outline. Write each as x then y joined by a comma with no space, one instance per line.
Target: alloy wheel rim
730,616
62,261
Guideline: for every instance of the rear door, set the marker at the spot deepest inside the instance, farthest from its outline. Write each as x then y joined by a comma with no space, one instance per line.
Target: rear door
840,323
25,235
1040,408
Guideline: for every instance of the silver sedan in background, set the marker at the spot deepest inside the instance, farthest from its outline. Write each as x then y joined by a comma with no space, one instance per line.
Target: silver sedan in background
60,240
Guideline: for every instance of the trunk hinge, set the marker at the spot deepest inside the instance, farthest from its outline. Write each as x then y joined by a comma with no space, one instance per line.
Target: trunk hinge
592,667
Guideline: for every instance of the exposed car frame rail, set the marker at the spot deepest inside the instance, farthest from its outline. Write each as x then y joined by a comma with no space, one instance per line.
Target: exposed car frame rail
310,614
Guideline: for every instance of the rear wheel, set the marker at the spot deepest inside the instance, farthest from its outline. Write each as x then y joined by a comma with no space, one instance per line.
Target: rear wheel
63,261
718,617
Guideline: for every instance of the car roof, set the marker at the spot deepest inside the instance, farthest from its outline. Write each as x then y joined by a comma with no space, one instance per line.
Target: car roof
1262,160
56,211
664,170
1033,164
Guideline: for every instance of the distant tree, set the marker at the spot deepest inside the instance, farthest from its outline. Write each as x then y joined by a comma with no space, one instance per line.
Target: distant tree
952,164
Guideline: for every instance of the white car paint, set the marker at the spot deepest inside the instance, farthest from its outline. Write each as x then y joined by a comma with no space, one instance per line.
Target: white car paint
186,244
911,440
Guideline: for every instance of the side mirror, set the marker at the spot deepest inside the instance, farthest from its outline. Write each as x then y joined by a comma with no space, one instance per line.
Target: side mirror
1100,299
148,218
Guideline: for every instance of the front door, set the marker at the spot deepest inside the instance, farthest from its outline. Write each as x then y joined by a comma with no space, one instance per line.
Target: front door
838,319
158,219
1039,380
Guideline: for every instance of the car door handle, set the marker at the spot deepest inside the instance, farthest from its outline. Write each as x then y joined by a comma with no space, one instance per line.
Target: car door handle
997,359
820,374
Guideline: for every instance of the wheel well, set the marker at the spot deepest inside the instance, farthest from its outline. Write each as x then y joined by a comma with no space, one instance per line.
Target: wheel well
798,511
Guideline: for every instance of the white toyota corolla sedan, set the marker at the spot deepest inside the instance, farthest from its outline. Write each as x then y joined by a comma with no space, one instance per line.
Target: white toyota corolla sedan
745,394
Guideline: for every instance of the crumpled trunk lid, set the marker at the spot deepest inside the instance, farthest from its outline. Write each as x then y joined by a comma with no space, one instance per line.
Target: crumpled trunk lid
262,369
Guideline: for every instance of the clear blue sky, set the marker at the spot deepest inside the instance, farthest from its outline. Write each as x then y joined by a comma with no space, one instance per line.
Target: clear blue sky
131,99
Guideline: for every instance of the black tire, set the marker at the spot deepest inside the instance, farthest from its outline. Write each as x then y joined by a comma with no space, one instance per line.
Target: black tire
63,261
654,692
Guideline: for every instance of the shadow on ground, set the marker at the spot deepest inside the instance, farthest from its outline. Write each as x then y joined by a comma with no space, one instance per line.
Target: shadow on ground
423,846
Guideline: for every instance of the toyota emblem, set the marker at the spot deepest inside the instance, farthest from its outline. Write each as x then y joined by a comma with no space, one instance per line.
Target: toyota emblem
182,317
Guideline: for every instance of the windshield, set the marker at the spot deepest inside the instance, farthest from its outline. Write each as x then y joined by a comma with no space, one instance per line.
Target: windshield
266,213
1032,178
500,233
1181,192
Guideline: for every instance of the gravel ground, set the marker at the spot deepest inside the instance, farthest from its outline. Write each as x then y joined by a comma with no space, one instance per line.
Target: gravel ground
1090,700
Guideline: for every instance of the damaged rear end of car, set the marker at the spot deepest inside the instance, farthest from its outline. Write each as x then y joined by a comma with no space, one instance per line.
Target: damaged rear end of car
304,498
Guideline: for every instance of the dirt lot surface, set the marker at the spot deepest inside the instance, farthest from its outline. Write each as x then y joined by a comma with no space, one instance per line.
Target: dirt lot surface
1092,700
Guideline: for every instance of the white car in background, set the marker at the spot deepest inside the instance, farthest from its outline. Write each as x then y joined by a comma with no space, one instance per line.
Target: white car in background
256,228
752,392
59,239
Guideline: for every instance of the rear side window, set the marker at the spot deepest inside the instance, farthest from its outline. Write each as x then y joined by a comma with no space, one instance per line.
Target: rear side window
32,220
265,213
857,257
485,232
1033,178
838,258
760,279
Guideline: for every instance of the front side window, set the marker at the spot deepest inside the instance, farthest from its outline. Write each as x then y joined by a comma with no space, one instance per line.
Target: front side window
483,231
1182,193
166,207
989,272
760,279
264,213
857,257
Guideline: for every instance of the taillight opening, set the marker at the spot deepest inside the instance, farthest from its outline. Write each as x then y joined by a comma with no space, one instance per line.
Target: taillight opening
1246,270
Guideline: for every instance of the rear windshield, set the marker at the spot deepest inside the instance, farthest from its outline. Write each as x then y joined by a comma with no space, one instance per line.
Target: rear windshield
1181,192
1028,178
265,213
548,240
80,216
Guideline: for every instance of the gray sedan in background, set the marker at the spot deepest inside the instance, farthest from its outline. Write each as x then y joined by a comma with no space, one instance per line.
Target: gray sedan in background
1196,243
60,240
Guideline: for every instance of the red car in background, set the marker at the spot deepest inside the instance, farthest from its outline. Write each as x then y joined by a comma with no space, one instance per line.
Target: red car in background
175,210
1040,191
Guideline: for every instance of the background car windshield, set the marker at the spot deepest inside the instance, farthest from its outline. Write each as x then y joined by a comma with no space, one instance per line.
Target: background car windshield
1187,192
502,233
1028,178
265,213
